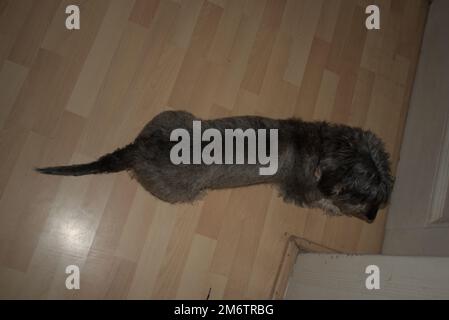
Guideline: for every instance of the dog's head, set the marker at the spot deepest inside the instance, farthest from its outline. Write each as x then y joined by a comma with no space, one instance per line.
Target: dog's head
353,173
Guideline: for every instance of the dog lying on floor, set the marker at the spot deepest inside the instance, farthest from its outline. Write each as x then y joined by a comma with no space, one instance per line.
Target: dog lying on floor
340,169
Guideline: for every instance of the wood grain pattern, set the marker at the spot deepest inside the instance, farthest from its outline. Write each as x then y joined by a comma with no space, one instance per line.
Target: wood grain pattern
70,96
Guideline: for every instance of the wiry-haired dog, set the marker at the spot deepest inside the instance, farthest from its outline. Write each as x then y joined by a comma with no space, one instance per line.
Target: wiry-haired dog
340,169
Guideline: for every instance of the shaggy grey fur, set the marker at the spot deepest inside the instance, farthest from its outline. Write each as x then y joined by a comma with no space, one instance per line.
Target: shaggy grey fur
341,169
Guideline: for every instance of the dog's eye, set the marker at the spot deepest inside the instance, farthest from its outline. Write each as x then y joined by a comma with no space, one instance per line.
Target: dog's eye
338,189
317,173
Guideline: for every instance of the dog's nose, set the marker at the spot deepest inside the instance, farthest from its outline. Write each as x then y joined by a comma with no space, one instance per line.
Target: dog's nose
371,214
365,218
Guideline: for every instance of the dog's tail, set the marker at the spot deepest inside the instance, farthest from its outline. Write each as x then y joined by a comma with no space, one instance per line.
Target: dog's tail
119,160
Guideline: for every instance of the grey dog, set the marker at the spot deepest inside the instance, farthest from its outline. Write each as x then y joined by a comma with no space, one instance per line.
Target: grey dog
341,169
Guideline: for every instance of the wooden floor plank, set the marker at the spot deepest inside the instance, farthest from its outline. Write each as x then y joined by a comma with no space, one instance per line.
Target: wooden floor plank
100,56
32,32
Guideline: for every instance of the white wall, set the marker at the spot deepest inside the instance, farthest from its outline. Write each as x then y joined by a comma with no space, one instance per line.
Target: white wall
408,231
